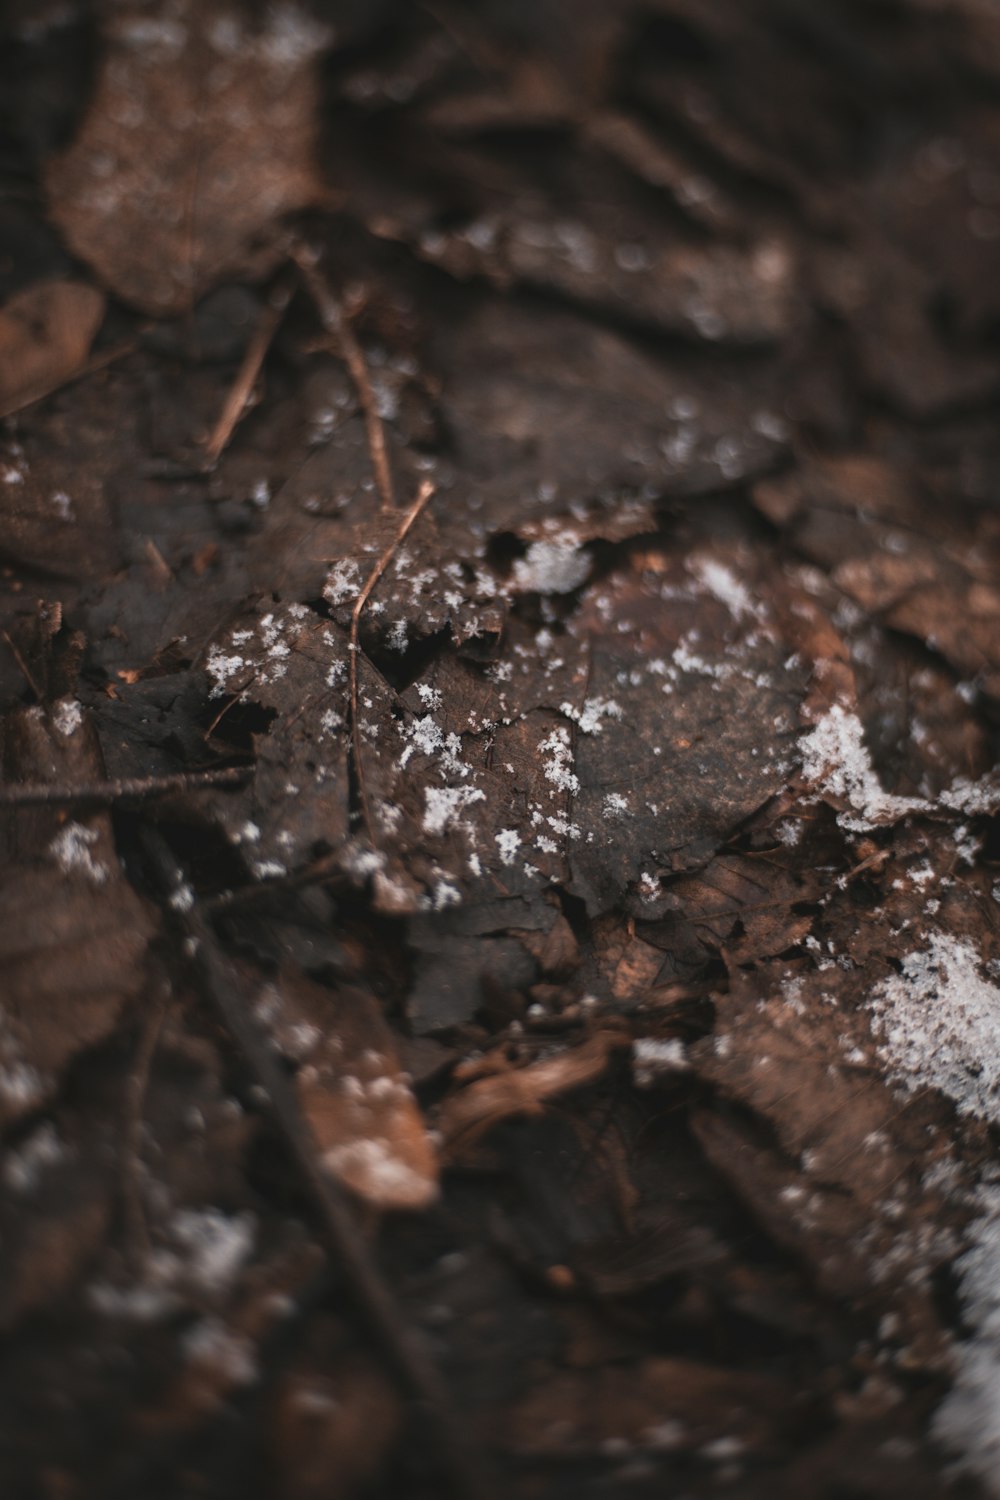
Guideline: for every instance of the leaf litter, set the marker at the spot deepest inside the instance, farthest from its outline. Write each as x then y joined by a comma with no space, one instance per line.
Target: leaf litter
540,907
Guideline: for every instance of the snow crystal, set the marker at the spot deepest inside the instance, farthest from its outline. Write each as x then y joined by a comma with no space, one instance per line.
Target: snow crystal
558,768
72,849
723,584
652,1058
590,716
552,567
615,805
430,697
508,842
445,803
343,582
940,1026
971,797
835,759
212,1246
67,716
222,667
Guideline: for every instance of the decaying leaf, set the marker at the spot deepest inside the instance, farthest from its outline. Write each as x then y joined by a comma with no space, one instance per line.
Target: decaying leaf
45,336
367,1125
73,932
522,1090
199,137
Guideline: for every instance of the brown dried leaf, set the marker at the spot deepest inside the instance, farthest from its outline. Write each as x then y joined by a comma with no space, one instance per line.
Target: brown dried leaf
516,1091
73,934
199,137
367,1124
45,335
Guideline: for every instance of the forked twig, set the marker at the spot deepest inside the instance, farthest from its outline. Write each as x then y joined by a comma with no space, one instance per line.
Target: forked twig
338,326
400,1344
424,494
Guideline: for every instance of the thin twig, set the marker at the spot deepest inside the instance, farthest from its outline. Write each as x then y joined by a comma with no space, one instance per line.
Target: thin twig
400,1344
337,324
424,493
236,403
25,669
135,1100
127,788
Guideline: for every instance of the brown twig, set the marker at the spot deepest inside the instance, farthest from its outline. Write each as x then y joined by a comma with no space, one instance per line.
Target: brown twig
135,1099
338,326
23,665
400,1344
236,403
128,788
424,494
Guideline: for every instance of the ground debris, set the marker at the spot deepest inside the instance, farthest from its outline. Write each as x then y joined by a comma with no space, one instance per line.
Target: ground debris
498,677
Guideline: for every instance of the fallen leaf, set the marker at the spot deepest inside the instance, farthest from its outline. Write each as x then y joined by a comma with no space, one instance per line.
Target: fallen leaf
198,139
45,336
367,1125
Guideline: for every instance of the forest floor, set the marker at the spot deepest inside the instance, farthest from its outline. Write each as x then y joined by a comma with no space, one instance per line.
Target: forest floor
500,677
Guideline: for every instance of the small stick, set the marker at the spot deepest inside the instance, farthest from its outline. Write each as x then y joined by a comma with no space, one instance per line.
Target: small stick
236,403
401,1345
25,670
337,324
424,493
105,793
135,1099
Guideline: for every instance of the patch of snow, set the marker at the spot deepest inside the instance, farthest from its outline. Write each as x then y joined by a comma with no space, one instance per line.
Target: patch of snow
222,668
67,716
723,584
654,1058
508,842
939,1023
343,582
558,768
444,804
589,718
553,567
835,759
72,847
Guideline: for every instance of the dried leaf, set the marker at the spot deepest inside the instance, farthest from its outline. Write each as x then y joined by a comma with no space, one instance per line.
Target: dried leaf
367,1124
45,336
199,138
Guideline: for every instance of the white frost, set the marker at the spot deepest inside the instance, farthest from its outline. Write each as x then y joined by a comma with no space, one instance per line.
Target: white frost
835,759
67,716
723,584
939,1021
72,847
551,568
444,804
